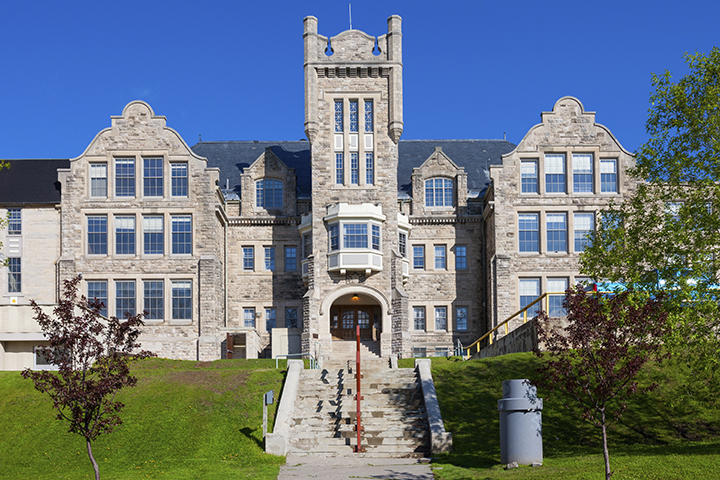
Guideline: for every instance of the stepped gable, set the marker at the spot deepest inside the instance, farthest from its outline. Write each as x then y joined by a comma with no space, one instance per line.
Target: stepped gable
31,182
475,156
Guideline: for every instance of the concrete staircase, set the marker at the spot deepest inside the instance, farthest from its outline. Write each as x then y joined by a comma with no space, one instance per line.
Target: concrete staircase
346,350
393,412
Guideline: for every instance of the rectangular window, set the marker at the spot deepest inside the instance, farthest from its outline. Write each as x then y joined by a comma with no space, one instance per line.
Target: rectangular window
124,177
442,352
270,259
529,291
249,317
334,231
153,235
460,257
354,168
355,235
584,224
419,352
440,318
181,232
461,319
529,176
182,300
368,116
154,300
556,286
97,290
608,175
419,318
375,237
97,234
402,244
307,245
98,180
14,221
152,177
339,116
14,275
556,232
179,179
339,172
440,257
248,259
291,317
270,319
353,116
125,235
369,164
290,259
124,299
582,173
555,173
418,256
528,232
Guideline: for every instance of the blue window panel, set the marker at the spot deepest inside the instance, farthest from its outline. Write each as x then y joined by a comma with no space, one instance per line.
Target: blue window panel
125,235
14,275
270,319
124,177
339,171
14,226
369,168
460,257
97,234
154,299
555,302
153,177
376,237
291,317
608,176
529,290
98,290
179,180
153,235
584,226
181,232
124,299
418,256
355,235
354,169
269,193
528,232
248,258
529,176
334,231
419,318
353,116
249,317
556,232
290,259
439,192
182,300
338,116
368,116
461,319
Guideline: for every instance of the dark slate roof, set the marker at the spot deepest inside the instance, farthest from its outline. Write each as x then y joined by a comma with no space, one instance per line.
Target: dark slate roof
475,156
31,182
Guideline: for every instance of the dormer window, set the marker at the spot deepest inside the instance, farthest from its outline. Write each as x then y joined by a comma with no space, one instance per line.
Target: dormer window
439,192
269,194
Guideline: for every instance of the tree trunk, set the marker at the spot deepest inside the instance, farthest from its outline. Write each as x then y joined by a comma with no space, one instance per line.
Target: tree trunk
606,453
92,459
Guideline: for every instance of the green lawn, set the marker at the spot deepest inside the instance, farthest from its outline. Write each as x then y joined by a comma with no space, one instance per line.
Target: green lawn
660,436
183,420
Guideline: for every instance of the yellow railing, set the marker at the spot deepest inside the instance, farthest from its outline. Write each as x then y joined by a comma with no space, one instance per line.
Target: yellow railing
467,351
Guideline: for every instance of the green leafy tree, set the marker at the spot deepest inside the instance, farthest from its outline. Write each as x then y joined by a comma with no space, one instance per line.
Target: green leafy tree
593,362
667,236
93,356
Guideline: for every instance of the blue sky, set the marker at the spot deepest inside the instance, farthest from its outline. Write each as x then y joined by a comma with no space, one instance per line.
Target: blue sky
234,70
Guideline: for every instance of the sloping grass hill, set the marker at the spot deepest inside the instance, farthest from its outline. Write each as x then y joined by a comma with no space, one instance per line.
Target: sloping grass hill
664,434
183,420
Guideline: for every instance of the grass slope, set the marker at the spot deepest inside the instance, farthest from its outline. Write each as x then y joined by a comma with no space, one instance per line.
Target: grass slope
183,420
658,437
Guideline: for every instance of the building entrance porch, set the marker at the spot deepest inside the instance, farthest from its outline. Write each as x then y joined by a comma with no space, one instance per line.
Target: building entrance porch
345,318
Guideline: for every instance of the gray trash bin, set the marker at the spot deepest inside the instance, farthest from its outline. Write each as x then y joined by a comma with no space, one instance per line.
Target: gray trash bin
520,423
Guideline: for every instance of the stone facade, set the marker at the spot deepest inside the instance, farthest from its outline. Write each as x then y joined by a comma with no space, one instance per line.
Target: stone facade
421,250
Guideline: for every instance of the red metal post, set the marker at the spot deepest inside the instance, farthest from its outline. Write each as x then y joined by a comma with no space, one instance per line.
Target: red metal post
358,395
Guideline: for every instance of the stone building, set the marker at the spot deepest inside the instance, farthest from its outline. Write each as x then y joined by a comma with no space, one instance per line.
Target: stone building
244,248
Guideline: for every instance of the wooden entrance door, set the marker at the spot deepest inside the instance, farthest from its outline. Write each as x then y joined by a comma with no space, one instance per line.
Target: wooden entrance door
344,319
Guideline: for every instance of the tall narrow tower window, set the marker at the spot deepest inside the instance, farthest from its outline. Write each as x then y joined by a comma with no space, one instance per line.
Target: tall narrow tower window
368,116
353,116
339,172
338,116
354,168
354,142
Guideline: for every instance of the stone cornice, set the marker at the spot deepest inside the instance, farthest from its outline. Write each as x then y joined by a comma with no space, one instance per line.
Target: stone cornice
444,219
261,221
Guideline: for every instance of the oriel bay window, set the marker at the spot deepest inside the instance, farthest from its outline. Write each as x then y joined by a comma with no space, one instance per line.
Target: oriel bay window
355,237
354,143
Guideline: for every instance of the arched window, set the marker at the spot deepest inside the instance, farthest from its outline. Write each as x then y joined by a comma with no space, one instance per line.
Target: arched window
269,193
439,192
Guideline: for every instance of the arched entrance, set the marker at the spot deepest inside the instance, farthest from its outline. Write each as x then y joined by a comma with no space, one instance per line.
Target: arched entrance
350,311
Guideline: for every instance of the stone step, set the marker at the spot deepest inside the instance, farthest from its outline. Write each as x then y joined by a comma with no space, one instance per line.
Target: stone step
370,450
368,431
364,440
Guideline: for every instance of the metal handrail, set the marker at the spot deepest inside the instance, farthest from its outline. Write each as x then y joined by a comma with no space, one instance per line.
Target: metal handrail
523,311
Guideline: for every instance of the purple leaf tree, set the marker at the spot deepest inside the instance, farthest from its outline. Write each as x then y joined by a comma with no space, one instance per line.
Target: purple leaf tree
92,355
595,360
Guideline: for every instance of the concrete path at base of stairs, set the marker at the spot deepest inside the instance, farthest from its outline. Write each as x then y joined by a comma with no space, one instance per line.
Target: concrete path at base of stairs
344,468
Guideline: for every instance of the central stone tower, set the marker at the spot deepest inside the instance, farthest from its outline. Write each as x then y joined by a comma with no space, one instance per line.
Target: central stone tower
353,120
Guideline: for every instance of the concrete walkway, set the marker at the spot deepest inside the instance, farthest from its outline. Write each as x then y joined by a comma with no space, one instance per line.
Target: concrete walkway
343,468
